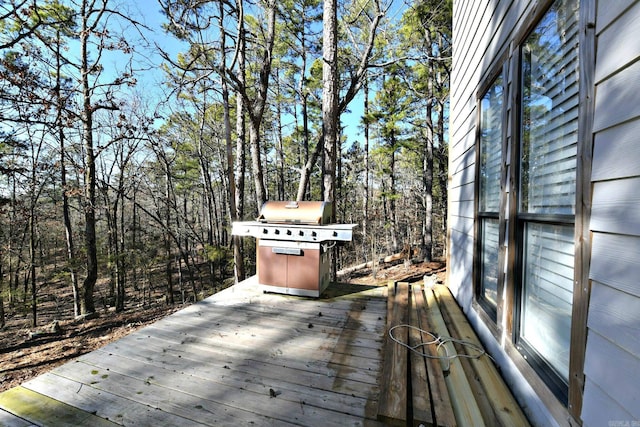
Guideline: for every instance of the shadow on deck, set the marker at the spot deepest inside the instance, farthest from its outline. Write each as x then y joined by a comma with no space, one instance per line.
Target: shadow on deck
244,357
240,357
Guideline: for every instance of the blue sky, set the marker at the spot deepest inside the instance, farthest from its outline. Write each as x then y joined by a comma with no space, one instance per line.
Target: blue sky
149,81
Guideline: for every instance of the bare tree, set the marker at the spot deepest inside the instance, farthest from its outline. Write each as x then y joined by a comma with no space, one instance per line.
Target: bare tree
96,95
354,83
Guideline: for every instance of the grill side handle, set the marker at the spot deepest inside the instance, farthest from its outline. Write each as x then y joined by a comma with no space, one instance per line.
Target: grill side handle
287,251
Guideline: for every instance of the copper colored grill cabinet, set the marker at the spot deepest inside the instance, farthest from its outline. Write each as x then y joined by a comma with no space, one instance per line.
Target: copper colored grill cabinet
293,243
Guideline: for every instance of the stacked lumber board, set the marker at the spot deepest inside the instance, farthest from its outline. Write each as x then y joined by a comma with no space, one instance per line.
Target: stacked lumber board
422,382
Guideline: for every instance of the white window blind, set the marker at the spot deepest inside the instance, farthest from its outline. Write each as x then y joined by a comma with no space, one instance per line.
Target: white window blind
490,166
550,113
547,298
548,147
489,260
491,147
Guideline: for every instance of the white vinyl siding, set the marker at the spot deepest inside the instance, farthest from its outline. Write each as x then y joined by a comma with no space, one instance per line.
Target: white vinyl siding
612,362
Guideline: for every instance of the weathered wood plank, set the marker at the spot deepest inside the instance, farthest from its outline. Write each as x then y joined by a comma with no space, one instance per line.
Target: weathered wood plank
239,357
295,317
238,403
502,406
392,405
243,374
270,329
441,401
464,404
43,410
420,393
267,370
302,311
150,389
105,404
315,352
7,419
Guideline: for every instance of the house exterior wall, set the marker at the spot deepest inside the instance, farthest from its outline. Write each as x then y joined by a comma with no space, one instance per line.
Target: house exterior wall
612,362
486,37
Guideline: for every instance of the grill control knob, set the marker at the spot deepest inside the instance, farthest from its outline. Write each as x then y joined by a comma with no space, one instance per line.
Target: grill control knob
265,231
288,232
277,231
301,233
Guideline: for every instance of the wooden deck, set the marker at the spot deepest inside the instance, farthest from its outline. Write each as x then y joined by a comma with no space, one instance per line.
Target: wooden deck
240,357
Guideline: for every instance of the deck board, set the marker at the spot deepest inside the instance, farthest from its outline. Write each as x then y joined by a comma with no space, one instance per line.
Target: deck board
239,357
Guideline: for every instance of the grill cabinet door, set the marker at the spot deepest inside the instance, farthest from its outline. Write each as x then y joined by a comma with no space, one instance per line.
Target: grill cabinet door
285,264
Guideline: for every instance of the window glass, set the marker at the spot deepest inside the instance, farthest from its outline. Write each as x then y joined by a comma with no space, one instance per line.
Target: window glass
547,298
491,147
489,172
548,147
489,261
550,113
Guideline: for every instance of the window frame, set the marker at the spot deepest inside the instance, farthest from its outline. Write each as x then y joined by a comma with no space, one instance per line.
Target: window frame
542,367
555,383
505,324
489,310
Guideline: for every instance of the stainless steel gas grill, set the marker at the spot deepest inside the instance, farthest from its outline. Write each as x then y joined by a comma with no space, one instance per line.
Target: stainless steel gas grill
292,247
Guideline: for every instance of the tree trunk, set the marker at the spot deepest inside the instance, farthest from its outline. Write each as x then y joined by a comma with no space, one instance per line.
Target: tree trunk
240,166
2,321
306,190
330,104
305,173
13,268
256,163
112,249
427,183
86,291
232,200
120,252
443,160
280,174
66,215
329,98
32,258
365,189
256,111
393,212
167,239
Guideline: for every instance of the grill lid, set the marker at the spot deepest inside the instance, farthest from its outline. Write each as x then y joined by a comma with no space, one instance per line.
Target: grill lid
305,212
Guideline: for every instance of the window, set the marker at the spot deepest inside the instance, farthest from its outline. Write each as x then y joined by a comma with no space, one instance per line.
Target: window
528,290
547,194
489,173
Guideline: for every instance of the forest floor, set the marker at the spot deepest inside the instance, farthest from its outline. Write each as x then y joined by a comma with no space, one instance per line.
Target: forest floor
26,352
